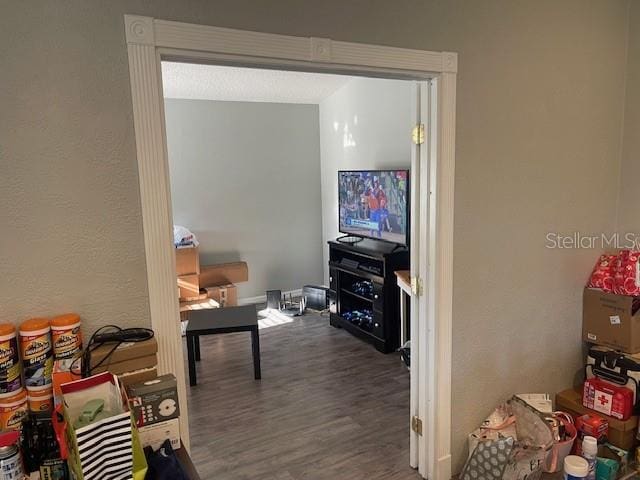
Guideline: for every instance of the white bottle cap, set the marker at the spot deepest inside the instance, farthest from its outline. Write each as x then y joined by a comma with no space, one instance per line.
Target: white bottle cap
590,446
576,466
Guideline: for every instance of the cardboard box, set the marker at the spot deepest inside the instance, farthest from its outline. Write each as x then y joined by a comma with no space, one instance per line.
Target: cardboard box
223,274
187,261
138,376
155,400
133,365
186,307
154,435
189,287
125,351
622,434
225,295
609,320
207,302
203,297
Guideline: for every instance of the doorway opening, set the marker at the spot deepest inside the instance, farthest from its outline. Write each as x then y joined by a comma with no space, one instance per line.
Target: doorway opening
149,41
266,167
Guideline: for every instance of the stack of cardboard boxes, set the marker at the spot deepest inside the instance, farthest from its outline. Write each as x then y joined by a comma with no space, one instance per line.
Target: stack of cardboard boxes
131,362
208,286
188,272
218,281
612,321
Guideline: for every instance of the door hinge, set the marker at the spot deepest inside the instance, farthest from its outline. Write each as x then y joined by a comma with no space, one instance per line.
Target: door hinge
416,286
416,425
417,134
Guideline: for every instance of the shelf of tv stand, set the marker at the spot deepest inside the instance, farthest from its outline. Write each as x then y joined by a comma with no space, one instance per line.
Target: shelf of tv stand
357,272
356,295
338,321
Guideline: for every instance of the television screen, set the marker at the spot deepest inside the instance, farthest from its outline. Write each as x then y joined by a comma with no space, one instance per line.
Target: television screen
374,204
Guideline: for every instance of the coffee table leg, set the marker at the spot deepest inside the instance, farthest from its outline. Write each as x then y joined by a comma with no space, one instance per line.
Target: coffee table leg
196,341
191,358
255,347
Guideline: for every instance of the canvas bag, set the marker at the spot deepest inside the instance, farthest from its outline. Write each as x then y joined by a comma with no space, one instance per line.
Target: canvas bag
511,444
555,460
103,449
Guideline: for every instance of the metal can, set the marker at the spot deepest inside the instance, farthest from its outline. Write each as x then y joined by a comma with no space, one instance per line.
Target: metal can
11,463
53,469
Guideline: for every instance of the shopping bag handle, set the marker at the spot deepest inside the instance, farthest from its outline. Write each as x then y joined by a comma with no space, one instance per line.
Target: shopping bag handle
566,419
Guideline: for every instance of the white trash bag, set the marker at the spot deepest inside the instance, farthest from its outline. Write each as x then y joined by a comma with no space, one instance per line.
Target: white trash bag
182,236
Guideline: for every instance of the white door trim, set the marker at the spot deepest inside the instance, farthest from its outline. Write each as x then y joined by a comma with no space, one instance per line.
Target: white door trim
415,372
149,40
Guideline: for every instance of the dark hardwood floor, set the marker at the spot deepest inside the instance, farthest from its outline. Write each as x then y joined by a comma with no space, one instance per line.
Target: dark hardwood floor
329,406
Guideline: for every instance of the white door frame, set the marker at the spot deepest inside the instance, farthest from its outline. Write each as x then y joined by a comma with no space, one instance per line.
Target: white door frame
151,40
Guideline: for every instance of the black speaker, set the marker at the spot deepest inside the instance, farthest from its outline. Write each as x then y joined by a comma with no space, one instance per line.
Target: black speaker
316,297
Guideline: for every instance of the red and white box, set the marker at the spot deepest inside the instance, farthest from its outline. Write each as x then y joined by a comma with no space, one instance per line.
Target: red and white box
626,273
593,425
607,398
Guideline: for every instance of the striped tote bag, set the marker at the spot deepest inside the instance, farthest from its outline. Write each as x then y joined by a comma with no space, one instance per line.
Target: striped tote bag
101,449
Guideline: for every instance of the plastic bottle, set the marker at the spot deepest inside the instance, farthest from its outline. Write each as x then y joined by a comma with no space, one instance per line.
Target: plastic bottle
10,367
575,468
589,453
40,399
66,336
12,410
37,354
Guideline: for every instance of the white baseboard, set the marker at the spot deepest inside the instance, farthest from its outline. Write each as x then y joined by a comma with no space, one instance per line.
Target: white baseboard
443,468
263,298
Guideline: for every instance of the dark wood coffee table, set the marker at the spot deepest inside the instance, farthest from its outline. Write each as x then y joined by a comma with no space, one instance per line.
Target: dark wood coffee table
213,321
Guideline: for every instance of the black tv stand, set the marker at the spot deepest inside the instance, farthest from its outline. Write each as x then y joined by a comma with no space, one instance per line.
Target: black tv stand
349,239
399,246
364,296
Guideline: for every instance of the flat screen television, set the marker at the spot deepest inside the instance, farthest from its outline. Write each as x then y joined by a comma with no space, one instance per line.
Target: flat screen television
374,204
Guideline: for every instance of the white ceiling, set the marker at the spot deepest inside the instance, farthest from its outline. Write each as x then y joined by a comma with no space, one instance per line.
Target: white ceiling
213,82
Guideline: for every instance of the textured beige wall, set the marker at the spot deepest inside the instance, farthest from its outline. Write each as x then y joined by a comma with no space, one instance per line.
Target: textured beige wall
71,232
540,100
629,202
